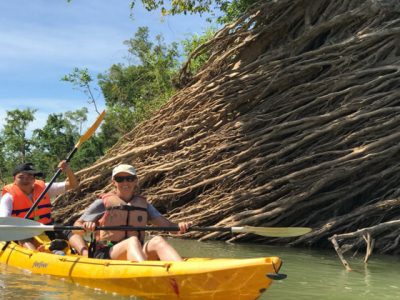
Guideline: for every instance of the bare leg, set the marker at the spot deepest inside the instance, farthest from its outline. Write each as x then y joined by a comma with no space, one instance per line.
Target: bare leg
158,248
130,249
28,244
76,241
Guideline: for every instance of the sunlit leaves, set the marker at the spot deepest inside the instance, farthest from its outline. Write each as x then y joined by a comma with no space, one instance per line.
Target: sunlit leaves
16,142
133,92
47,146
81,79
231,9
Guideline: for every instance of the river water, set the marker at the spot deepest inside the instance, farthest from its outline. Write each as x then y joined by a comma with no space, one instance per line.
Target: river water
311,275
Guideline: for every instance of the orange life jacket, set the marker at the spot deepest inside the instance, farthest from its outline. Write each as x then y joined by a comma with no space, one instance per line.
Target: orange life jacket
22,203
121,213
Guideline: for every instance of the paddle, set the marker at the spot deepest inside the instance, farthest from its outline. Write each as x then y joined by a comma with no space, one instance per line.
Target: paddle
18,229
82,139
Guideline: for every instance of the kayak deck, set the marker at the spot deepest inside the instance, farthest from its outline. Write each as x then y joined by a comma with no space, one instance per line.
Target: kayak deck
195,278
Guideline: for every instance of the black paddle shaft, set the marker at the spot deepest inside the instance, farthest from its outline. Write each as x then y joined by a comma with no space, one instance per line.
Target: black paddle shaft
143,228
36,203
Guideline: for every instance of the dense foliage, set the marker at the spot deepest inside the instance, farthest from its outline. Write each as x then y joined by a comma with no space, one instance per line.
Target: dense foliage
230,9
133,92
47,146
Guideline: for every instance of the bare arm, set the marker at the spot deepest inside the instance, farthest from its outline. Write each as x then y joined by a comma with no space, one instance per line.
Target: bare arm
71,182
87,226
163,221
90,216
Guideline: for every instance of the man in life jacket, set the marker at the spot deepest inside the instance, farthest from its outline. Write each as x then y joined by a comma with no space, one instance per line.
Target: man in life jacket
125,207
18,197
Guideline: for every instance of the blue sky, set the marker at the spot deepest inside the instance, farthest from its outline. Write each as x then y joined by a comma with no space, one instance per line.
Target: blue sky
43,40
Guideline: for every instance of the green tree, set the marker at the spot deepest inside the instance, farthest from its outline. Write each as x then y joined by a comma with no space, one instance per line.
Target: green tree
133,92
3,164
16,143
78,117
192,43
157,60
181,6
88,153
92,149
58,137
81,79
231,9
53,142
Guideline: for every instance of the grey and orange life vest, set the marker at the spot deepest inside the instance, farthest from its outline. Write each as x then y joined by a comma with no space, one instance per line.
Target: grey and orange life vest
22,203
121,213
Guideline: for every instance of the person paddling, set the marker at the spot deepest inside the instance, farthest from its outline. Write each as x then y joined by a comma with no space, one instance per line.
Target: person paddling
18,197
126,207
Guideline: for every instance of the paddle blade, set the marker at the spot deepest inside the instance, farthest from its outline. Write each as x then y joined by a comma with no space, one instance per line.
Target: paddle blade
91,130
273,231
15,229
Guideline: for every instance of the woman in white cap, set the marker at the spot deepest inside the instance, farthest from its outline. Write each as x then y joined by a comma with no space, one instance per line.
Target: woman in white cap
125,207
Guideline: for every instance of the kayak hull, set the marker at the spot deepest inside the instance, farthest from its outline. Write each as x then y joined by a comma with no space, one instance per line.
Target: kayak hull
195,278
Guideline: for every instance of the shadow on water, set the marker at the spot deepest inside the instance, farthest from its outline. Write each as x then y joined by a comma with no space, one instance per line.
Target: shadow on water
311,275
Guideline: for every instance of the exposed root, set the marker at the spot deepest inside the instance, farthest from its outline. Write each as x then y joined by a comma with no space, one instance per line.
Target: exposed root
294,121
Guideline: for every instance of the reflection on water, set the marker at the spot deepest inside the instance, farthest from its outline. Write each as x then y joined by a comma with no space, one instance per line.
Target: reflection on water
21,285
311,275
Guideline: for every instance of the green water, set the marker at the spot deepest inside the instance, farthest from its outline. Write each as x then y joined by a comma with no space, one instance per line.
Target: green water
311,275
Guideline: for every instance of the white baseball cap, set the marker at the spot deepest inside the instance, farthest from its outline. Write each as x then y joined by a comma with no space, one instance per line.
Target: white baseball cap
124,169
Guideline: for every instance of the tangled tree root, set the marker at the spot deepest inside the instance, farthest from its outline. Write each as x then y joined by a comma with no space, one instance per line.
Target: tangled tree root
294,121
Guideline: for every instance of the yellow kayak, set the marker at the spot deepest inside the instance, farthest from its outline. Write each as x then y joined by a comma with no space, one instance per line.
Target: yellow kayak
195,278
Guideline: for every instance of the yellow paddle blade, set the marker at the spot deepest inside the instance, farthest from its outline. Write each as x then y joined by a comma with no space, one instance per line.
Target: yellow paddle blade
91,130
273,231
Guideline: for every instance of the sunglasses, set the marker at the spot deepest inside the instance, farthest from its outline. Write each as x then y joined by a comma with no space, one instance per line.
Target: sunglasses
120,179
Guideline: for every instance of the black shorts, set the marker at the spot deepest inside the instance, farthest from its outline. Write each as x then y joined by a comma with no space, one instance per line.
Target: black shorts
102,252
63,235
